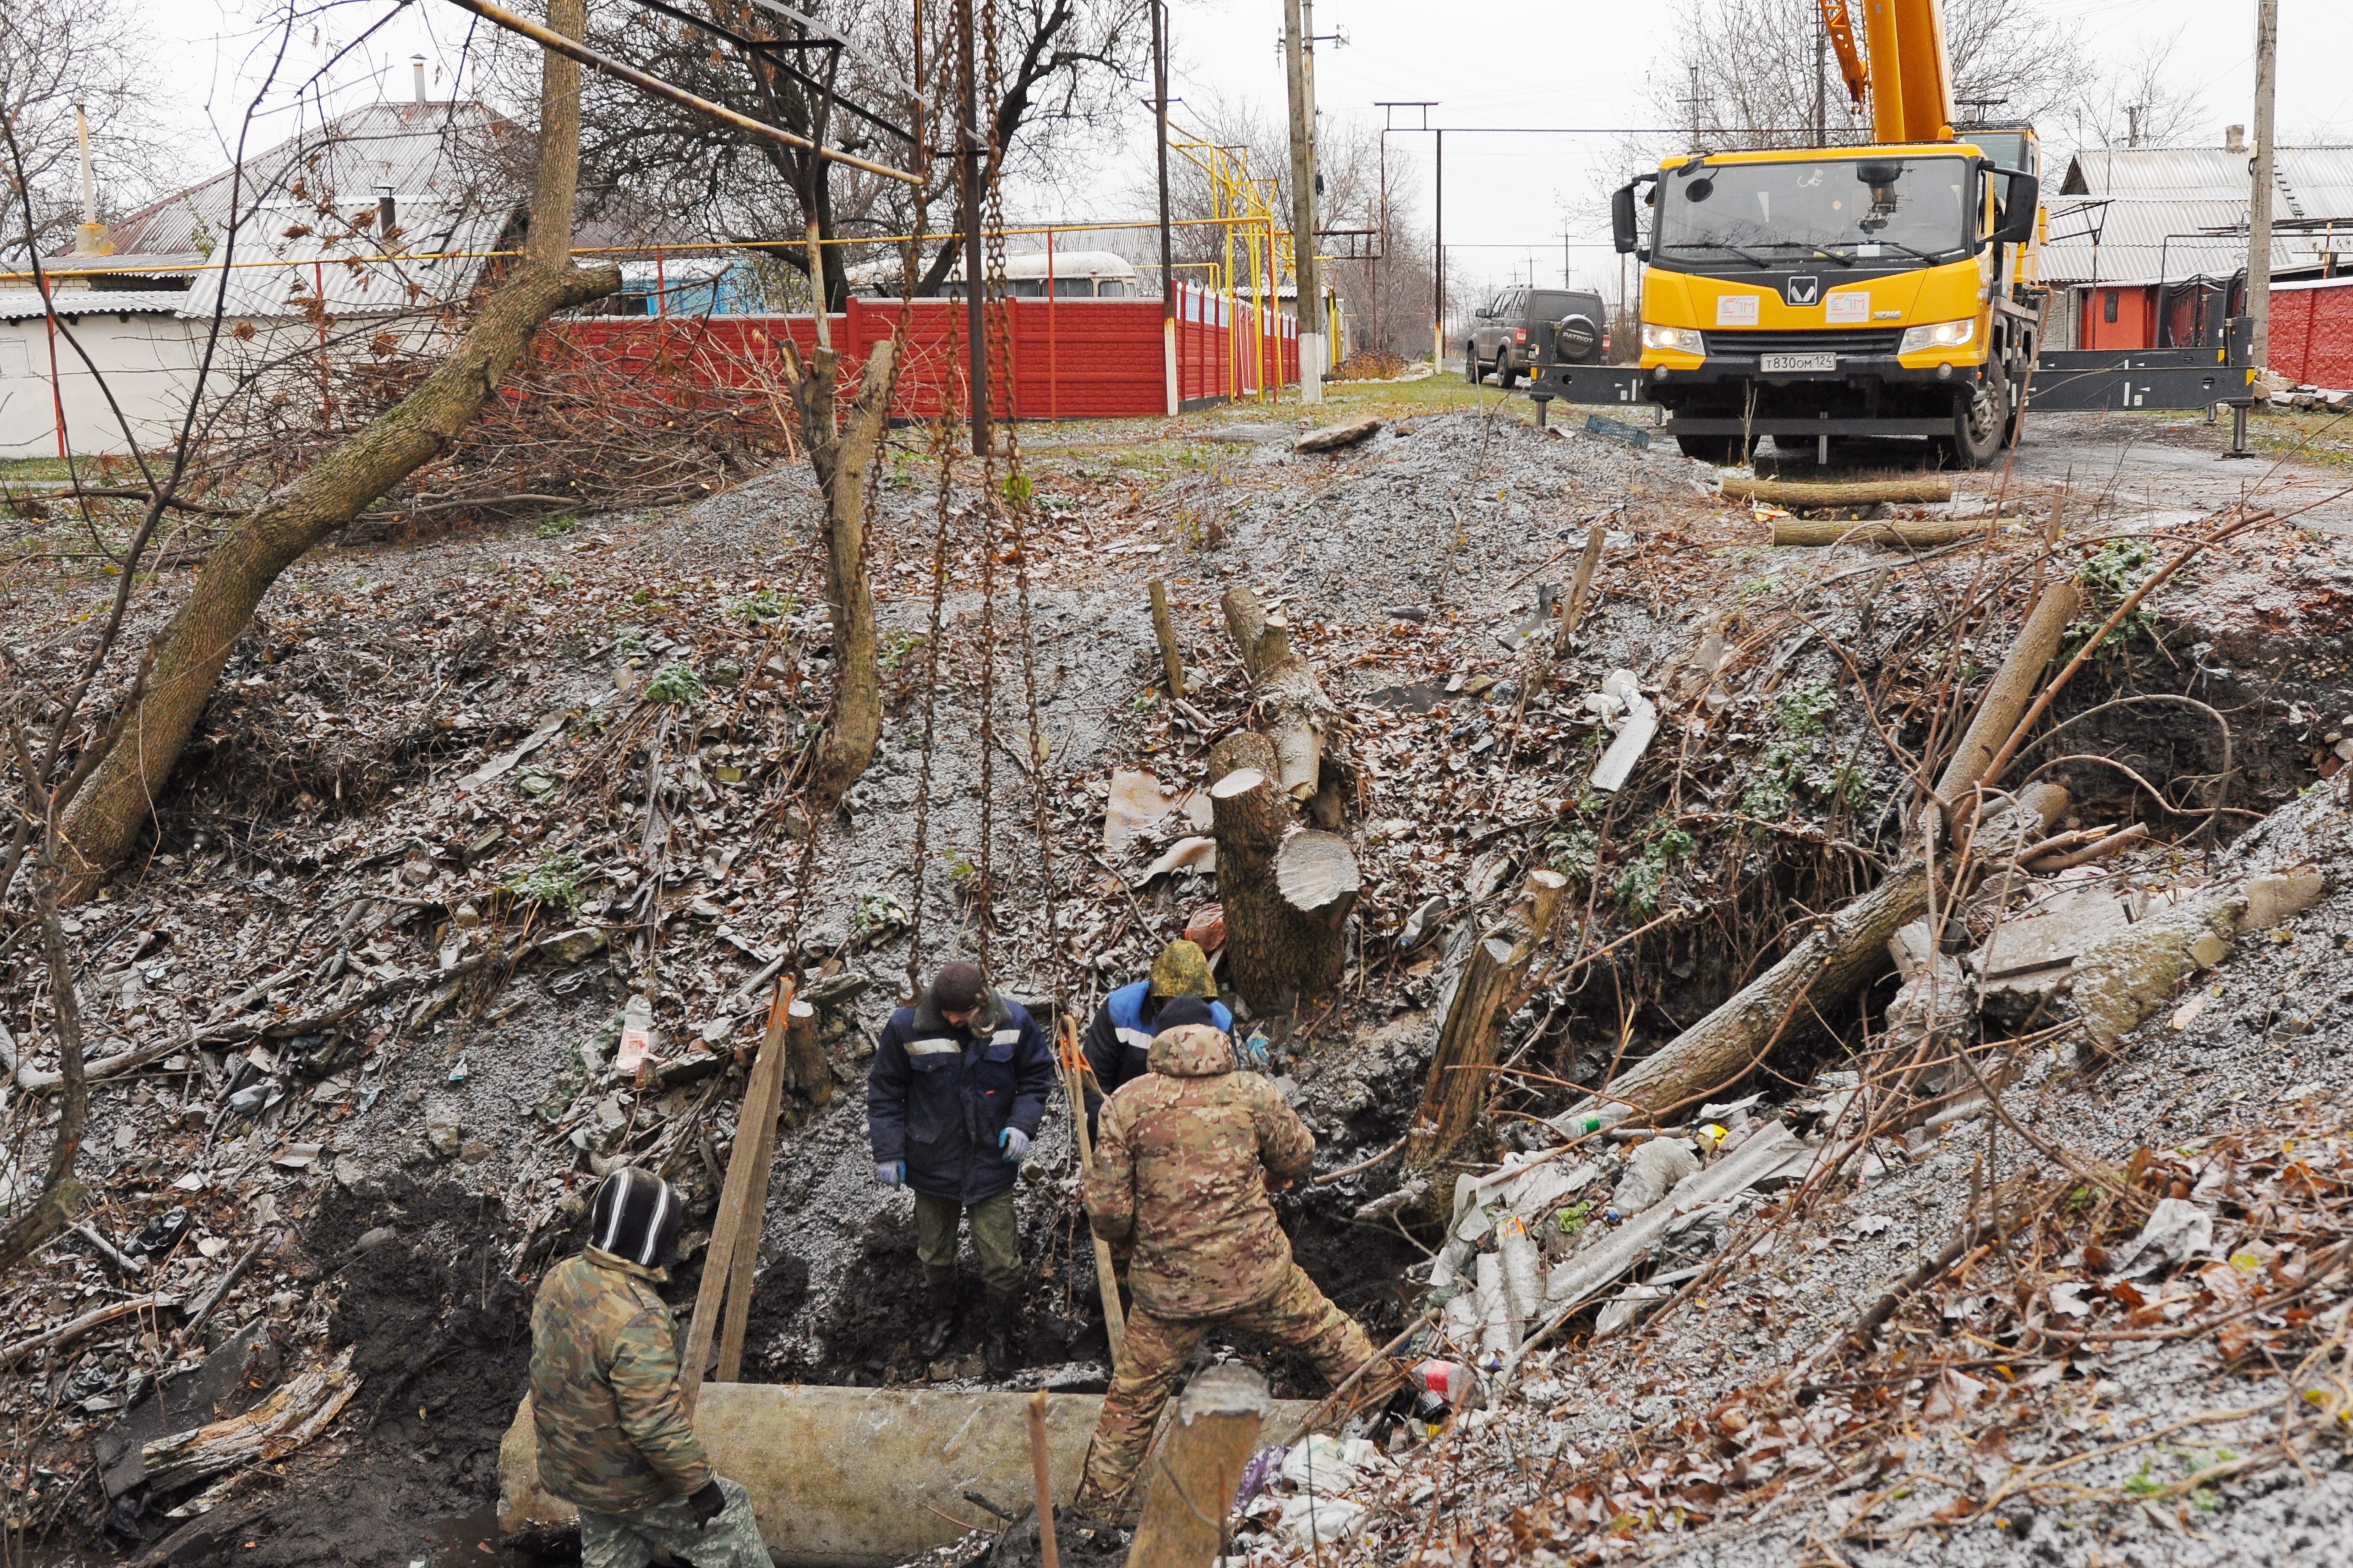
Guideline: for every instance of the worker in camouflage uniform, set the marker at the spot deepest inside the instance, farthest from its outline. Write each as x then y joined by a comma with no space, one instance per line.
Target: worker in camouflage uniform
1181,1175
614,1437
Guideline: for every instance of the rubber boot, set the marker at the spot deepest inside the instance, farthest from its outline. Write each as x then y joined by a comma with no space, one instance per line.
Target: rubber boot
940,1320
996,1349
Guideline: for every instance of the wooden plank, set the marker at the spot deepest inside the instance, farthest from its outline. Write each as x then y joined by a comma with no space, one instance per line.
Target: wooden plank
749,1229
736,1196
1075,1073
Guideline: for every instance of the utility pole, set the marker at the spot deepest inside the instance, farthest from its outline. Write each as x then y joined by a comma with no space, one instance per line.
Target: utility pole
1821,82
1167,253
2259,208
1437,251
975,287
1298,56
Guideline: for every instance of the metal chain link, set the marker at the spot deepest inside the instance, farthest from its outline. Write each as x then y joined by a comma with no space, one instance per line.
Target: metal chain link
1016,500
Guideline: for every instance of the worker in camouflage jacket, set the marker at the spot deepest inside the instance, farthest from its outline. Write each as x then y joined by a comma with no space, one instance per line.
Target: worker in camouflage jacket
1181,1177
614,1437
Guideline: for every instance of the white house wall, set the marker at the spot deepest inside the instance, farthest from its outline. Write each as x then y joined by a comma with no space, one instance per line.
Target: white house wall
148,370
150,366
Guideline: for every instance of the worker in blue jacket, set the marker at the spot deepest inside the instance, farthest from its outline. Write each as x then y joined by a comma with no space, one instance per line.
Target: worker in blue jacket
958,1087
1119,1040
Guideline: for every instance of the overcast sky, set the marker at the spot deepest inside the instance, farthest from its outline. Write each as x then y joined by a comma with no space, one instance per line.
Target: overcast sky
1585,63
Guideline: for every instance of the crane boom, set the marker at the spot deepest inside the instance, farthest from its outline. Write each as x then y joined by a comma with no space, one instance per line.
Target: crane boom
1840,27
1911,76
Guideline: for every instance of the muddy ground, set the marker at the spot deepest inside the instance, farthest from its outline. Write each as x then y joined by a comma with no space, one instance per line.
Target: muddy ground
438,1118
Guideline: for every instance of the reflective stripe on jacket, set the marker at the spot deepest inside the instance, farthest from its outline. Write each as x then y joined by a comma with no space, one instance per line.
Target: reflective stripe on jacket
1119,1039
937,1095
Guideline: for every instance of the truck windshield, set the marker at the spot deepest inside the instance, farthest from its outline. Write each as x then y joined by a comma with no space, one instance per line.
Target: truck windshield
1915,207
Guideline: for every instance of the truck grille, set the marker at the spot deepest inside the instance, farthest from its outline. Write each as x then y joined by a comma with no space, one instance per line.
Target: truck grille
1880,343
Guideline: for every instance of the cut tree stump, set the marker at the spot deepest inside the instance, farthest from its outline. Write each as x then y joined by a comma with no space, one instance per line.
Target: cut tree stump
1572,606
1192,1477
1467,1043
1316,882
1164,631
1287,890
1292,710
1855,492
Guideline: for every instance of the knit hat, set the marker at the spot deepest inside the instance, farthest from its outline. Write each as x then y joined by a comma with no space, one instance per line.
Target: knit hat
636,1217
1182,970
957,987
1181,1010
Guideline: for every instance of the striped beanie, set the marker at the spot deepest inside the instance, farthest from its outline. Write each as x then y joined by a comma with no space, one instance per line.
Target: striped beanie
636,1217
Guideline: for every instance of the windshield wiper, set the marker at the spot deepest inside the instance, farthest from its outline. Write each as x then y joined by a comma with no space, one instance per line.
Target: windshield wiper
1892,245
1750,257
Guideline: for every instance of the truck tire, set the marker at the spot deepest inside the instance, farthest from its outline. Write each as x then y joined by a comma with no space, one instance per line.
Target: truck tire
1980,419
1471,371
1507,375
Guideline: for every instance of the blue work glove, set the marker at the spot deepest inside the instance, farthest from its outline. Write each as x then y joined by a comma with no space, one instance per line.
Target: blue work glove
891,1173
1016,1144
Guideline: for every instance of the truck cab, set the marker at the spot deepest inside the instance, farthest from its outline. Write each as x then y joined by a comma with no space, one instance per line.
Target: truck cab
1877,290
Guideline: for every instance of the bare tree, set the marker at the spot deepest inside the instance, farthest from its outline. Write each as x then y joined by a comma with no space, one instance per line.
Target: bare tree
116,787
2139,104
53,55
1065,68
1746,71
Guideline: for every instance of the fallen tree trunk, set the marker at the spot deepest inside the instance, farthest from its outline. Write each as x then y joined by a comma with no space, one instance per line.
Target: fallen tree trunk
1723,1048
1893,535
2006,695
299,1410
1855,492
177,673
1467,1043
1293,713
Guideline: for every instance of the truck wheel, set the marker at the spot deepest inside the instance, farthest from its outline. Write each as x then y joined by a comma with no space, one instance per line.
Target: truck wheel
1721,450
1507,375
1471,371
1980,416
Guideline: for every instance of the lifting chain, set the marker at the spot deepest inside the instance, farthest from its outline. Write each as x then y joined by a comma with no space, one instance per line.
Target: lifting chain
1016,500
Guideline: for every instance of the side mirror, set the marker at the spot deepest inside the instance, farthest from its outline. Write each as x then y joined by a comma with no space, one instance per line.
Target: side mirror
1624,229
2017,226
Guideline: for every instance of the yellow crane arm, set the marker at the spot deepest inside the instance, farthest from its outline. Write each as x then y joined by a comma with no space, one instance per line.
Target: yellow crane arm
1911,78
1840,28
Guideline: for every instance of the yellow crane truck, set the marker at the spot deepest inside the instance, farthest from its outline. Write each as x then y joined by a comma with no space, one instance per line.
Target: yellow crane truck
1879,290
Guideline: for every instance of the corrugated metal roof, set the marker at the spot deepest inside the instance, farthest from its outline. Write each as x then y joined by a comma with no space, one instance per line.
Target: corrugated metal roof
2149,214
22,304
454,172
455,157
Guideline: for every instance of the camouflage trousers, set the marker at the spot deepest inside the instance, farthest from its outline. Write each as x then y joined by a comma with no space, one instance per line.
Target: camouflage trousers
630,1540
1153,1357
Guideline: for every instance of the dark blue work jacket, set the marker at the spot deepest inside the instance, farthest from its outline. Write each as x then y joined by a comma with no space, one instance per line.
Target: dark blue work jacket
938,1095
1118,1041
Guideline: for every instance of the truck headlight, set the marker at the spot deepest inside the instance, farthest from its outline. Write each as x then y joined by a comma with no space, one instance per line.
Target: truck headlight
1941,335
1674,340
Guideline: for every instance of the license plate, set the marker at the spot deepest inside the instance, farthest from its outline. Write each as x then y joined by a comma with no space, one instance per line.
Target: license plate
1775,363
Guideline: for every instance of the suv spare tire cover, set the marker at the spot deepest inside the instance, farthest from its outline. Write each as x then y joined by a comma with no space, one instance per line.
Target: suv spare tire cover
1576,337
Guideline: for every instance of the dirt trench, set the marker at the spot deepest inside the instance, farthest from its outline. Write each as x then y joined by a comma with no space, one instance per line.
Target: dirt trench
1410,561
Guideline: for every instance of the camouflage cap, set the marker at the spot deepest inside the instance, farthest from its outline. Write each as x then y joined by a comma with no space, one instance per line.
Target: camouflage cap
1183,969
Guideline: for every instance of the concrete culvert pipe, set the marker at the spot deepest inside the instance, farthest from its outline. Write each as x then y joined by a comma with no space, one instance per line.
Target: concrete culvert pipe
851,1478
